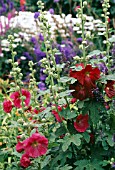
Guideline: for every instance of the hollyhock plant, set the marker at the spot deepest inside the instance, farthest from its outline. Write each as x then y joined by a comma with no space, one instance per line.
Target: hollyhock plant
81,124
25,161
16,98
110,88
7,106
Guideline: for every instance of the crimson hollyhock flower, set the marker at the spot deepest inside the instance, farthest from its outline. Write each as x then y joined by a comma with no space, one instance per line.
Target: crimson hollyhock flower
36,145
25,161
20,146
7,106
87,76
73,100
110,88
81,123
80,92
16,98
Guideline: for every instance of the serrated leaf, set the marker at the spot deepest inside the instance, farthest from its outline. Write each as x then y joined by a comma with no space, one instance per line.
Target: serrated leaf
65,93
66,143
68,114
76,139
95,52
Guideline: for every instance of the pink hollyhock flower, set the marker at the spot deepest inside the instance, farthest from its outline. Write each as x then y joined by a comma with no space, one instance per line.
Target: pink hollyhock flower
20,146
16,98
81,123
110,88
7,106
57,116
25,161
36,145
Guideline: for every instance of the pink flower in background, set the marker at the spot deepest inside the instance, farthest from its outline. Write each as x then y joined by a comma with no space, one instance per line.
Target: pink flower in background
7,106
25,161
16,98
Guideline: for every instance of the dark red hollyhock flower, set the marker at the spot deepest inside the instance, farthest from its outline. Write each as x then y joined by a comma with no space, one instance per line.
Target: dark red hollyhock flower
73,73
81,123
7,106
110,88
36,145
92,138
16,98
80,92
25,161
87,76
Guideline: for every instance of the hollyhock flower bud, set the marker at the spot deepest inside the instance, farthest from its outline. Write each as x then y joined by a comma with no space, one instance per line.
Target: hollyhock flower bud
25,161
7,106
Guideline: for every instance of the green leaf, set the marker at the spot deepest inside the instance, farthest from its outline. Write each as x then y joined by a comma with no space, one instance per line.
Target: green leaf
112,39
66,167
107,77
65,93
74,68
66,143
110,140
68,114
76,139
95,52
88,165
86,137
45,161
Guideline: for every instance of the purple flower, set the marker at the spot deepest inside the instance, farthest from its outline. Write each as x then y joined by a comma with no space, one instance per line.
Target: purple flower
33,40
36,15
41,86
41,38
113,165
51,11
42,76
79,40
28,56
56,1
39,54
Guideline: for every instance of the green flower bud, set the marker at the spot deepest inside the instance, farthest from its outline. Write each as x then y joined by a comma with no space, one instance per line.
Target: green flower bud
85,3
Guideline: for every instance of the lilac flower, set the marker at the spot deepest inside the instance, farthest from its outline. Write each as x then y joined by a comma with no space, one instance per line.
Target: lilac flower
42,76
56,1
36,15
41,38
28,56
41,86
102,67
113,165
33,40
51,11
39,54
79,40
